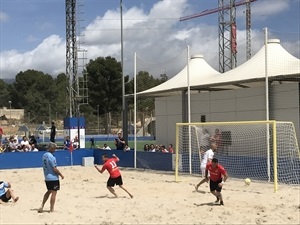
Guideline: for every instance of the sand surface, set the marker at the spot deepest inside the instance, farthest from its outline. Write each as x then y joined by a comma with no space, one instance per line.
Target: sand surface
84,199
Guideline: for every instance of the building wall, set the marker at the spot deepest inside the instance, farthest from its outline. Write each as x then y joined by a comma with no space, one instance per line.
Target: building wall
15,114
233,105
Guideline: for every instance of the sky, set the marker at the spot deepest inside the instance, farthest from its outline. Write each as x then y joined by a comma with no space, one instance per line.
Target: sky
33,32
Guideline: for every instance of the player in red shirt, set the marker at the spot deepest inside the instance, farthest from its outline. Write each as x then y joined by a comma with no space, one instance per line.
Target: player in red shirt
218,176
115,178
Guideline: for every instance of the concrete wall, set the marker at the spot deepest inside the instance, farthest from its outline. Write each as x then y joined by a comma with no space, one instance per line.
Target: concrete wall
232,105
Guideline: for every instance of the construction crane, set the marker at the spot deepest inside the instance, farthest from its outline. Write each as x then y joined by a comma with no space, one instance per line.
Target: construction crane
227,25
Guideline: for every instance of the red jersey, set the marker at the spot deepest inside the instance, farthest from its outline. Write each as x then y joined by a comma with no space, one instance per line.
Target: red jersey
111,166
215,173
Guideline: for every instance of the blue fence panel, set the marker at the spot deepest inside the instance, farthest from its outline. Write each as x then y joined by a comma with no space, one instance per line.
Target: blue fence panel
126,158
154,161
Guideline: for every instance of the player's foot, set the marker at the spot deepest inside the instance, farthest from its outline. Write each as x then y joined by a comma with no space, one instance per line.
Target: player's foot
217,200
196,187
131,196
16,199
221,203
40,210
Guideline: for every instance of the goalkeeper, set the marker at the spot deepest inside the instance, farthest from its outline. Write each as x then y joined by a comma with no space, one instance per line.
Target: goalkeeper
207,158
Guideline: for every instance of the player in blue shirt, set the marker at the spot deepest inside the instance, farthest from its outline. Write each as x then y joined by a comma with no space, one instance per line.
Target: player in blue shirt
6,195
51,174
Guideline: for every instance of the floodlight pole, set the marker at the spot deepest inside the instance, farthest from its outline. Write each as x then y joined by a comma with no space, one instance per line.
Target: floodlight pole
124,114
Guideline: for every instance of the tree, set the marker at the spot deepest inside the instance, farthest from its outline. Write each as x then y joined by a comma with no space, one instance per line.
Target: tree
105,85
4,93
35,92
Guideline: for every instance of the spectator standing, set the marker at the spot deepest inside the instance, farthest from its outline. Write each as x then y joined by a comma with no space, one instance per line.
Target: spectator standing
170,148
217,138
53,132
1,133
92,142
204,140
120,142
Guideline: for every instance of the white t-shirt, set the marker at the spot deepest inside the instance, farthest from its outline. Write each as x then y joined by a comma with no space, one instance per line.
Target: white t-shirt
209,154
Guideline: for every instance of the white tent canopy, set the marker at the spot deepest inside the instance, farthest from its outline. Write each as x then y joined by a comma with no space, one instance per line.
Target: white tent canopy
198,68
281,66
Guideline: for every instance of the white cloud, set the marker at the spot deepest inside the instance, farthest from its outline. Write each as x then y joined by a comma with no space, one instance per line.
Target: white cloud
262,9
47,57
3,17
153,35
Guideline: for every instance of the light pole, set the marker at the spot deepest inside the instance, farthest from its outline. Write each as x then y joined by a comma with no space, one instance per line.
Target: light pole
78,99
9,102
50,113
98,119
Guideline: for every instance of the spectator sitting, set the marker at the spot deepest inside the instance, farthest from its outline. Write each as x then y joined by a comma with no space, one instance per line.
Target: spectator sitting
32,141
157,148
146,148
170,148
152,148
25,146
126,148
33,148
75,143
163,149
13,145
105,147
67,143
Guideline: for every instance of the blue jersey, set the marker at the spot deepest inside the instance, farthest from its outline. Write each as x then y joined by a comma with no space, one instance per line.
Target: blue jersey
3,185
49,162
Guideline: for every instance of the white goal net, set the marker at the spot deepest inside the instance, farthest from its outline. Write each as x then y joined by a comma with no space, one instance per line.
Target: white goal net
259,150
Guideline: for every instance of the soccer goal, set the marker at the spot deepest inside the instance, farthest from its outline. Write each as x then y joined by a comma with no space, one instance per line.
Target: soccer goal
259,150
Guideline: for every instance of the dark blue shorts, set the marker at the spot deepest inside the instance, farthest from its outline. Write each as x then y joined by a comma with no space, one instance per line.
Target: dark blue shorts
214,185
4,198
114,181
53,185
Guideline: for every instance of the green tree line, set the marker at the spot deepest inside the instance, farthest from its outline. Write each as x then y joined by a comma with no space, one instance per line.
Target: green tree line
41,94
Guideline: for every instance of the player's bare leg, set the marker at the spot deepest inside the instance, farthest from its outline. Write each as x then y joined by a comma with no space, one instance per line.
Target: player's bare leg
218,196
121,186
112,191
10,193
201,182
52,200
46,196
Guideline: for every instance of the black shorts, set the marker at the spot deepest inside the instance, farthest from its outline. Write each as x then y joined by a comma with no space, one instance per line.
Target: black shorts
214,185
52,185
4,198
114,181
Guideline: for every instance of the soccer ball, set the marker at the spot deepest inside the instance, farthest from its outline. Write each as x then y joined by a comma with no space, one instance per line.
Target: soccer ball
247,181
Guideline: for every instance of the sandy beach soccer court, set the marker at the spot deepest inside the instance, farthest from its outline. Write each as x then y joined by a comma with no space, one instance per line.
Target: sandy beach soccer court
84,199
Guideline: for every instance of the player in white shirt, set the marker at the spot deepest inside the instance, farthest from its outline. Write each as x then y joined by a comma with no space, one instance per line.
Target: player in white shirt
208,156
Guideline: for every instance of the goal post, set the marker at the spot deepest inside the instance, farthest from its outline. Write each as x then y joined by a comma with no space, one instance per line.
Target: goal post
259,150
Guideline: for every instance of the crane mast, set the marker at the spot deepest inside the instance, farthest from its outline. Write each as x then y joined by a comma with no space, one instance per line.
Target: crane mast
227,31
